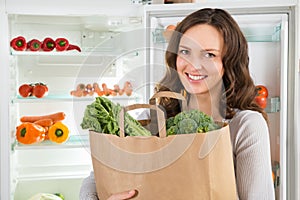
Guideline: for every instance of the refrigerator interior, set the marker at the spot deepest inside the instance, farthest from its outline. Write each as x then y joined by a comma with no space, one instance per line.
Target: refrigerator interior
108,56
266,35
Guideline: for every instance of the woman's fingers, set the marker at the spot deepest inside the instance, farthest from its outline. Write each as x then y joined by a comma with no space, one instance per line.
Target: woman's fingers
123,195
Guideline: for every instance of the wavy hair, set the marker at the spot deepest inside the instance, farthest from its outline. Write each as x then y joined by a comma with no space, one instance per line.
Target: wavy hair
239,87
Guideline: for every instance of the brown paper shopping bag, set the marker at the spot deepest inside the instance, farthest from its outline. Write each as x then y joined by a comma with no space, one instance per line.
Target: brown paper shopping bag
177,167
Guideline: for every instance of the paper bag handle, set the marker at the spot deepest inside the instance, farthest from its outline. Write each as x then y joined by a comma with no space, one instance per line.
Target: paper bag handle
160,117
170,94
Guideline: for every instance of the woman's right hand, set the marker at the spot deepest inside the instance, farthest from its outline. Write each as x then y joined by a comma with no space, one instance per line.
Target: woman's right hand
123,195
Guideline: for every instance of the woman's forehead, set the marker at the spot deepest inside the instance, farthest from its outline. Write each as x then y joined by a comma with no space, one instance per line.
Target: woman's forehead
202,36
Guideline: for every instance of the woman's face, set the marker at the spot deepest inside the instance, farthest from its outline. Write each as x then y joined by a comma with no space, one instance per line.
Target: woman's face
199,59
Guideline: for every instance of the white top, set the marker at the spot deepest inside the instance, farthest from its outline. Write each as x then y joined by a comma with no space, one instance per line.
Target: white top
251,154
252,157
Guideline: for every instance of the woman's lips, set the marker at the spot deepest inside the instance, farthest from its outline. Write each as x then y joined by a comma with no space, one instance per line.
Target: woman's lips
196,77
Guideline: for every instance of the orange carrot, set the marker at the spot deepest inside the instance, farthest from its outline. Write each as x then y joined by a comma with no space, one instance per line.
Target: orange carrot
44,122
58,116
97,89
46,133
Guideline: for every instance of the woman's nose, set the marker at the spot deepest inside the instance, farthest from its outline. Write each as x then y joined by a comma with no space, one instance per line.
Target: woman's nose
196,62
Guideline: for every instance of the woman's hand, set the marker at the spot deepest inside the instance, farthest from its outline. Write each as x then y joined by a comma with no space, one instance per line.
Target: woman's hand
123,195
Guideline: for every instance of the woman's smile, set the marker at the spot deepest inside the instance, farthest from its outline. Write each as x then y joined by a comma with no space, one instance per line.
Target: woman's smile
195,77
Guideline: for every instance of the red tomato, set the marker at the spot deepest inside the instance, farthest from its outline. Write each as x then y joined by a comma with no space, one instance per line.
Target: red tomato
40,90
25,90
261,101
262,90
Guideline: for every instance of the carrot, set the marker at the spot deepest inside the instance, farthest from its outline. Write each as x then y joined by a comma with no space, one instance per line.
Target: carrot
46,135
97,89
44,122
58,116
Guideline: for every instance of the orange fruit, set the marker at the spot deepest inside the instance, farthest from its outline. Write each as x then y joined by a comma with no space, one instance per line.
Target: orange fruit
171,27
273,176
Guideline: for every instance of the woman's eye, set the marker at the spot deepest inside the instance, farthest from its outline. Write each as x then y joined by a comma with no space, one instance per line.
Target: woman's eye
184,52
209,55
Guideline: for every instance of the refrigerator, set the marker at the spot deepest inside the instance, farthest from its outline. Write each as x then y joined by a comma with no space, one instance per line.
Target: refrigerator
104,32
270,28
122,42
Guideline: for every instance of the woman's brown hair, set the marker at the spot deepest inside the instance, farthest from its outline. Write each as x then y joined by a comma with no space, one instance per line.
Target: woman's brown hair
239,86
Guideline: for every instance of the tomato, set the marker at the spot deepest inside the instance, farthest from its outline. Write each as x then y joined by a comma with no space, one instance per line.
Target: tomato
25,90
262,90
40,90
261,101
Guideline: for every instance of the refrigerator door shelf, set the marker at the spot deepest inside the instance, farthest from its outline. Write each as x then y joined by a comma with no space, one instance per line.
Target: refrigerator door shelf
265,31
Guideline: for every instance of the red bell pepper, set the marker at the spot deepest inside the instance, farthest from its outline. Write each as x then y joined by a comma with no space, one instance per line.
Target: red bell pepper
73,47
61,44
48,44
18,43
34,45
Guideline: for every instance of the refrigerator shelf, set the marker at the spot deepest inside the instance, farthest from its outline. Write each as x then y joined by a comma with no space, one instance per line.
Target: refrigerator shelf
74,141
69,98
273,105
83,53
252,34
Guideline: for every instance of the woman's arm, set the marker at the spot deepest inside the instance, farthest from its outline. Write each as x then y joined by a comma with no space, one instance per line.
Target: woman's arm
251,148
88,188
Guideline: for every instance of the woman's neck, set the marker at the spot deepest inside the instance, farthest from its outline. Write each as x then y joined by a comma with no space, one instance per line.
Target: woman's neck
206,103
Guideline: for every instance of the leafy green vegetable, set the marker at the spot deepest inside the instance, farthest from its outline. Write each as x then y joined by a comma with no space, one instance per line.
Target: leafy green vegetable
60,195
192,121
103,116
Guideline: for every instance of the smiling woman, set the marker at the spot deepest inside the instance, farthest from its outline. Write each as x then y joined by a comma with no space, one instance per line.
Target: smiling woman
207,61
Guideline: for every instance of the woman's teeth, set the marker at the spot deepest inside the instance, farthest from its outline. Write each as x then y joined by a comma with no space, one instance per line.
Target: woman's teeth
197,77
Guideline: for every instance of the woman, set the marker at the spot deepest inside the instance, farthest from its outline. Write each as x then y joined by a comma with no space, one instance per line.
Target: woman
207,60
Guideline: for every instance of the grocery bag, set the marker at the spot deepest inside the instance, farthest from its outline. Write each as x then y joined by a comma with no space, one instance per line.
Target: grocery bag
177,167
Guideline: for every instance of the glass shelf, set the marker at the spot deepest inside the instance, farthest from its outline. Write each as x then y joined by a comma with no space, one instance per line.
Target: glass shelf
66,53
261,34
74,141
69,98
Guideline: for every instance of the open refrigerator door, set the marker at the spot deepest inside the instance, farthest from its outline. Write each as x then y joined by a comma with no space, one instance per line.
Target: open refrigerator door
267,30
102,54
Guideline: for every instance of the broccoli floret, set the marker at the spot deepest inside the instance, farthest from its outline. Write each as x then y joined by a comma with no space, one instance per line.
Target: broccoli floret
170,122
179,117
187,126
172,130
197,116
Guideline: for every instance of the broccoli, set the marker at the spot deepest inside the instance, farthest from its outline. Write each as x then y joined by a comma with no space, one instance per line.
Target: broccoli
170,122
187,126
172,130
192,121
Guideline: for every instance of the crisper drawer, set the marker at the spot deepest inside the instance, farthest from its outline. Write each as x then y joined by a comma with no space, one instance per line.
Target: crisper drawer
50,170
69,188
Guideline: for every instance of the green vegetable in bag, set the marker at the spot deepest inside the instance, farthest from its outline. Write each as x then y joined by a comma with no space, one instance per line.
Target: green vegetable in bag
103,116
192,121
